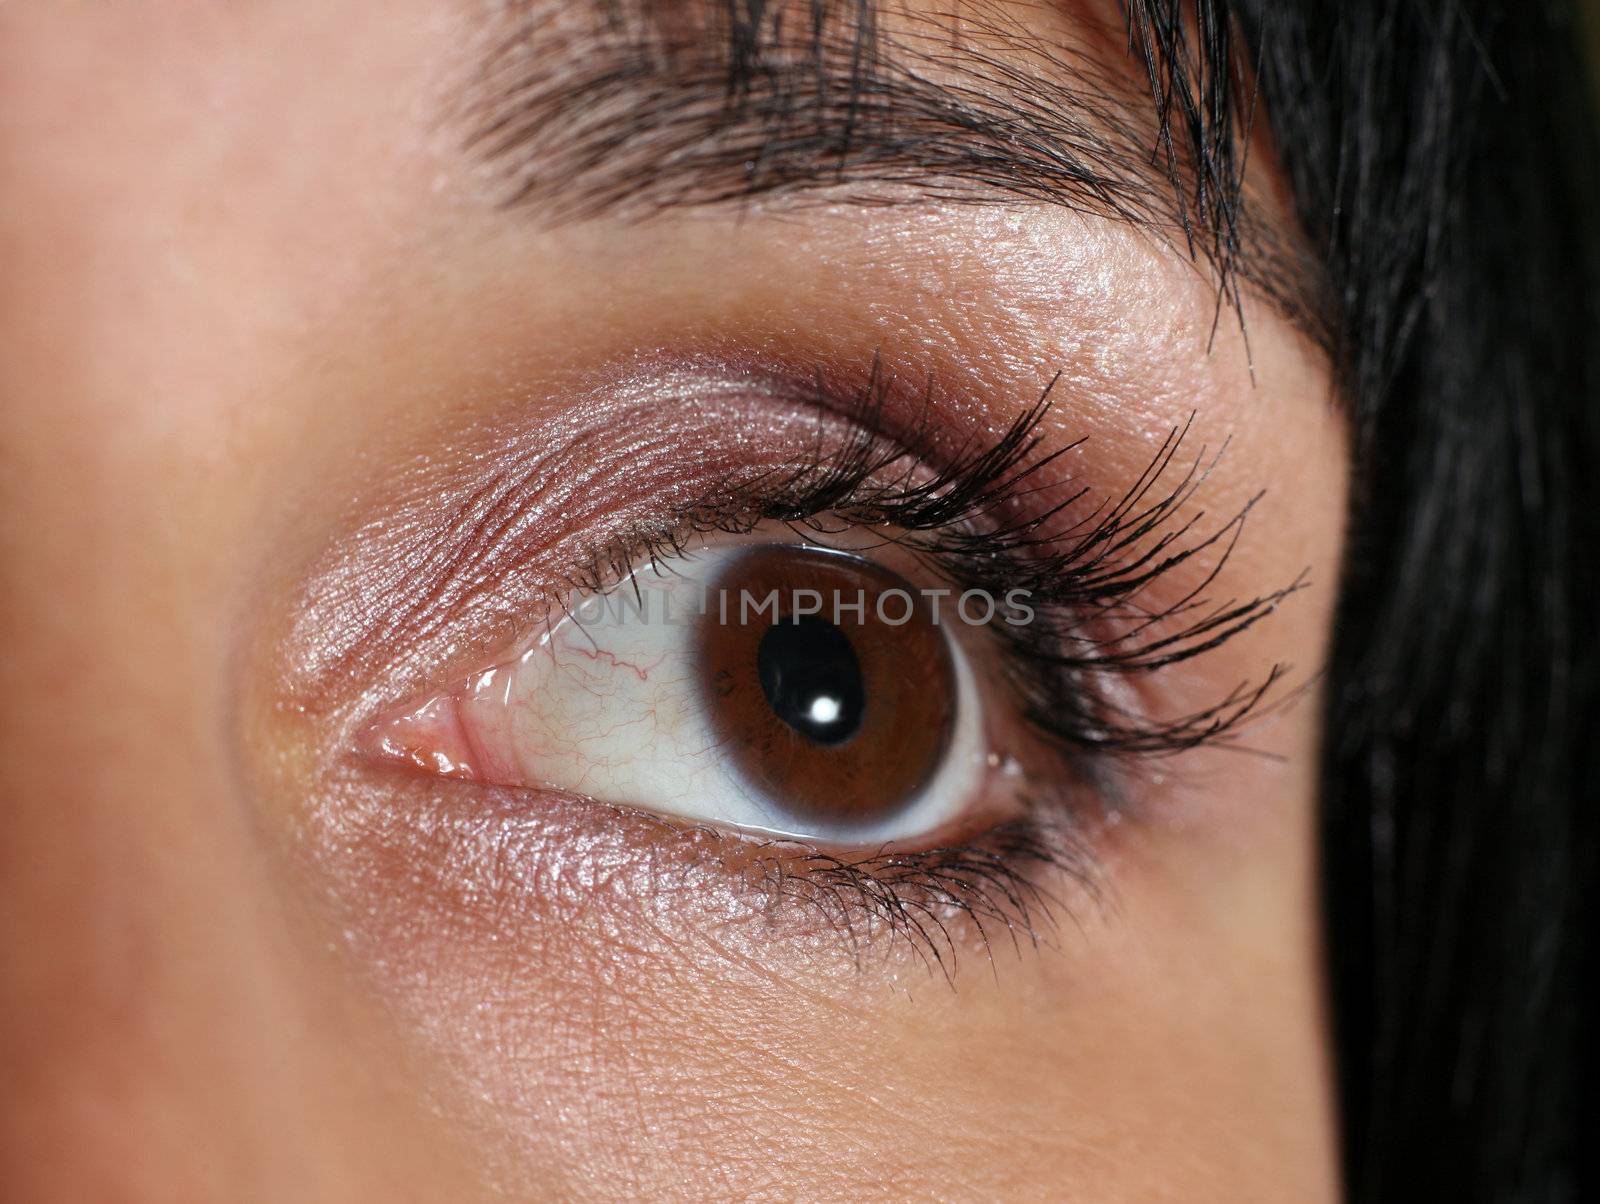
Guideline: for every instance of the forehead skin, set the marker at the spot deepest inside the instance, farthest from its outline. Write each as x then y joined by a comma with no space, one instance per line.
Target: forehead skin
257,302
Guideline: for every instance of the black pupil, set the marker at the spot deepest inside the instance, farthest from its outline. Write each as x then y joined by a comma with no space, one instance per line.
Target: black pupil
812,679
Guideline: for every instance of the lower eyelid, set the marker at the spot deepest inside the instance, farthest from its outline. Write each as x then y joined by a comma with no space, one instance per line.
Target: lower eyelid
517,859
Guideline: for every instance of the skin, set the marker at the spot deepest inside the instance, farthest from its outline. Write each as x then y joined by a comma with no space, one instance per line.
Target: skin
258,324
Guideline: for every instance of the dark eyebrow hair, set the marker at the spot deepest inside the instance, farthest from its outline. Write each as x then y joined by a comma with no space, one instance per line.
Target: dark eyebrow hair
641,106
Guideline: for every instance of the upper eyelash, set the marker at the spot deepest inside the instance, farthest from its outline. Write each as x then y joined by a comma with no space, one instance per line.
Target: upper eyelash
971,512
965,512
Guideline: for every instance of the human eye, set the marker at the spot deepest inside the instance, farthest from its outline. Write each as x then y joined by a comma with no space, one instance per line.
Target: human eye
771,684
898,667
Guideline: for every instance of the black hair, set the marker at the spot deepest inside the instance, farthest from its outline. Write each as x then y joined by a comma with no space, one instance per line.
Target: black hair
1443,155
1444,161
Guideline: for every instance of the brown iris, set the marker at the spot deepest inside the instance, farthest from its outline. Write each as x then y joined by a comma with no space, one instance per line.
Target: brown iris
828,681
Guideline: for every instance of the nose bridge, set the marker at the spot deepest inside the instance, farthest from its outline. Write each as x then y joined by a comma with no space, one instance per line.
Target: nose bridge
141,979
173,1024
138,996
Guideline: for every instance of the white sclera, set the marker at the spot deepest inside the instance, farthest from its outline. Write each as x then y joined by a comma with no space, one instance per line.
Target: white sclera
610,704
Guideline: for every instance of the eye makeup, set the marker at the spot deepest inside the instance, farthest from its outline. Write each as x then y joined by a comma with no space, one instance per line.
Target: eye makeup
993,513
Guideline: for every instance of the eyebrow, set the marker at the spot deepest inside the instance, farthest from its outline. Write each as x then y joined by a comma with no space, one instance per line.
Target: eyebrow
636,107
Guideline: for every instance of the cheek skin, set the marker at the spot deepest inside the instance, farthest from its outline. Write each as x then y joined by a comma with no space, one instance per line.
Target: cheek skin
574,993
594,1017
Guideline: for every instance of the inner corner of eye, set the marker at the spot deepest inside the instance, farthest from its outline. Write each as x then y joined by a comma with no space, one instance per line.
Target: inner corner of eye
781,688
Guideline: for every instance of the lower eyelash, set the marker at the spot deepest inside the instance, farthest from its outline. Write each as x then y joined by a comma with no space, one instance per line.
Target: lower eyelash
991,889
1006,890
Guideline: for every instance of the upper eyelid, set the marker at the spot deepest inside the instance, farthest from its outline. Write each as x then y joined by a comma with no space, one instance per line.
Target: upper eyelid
395,580
465,543
499,526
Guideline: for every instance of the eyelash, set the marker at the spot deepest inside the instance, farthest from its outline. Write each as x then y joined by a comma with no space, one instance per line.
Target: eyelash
991,885
966,513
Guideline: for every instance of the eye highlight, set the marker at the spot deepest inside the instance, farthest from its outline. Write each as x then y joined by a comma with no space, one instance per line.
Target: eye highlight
780,688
